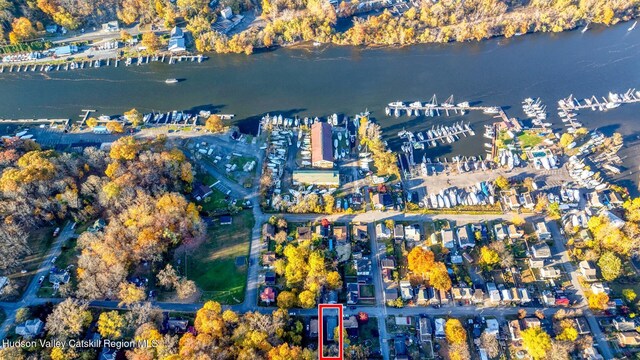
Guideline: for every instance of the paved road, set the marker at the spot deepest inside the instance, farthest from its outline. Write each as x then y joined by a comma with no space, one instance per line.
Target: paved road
30,293
560,249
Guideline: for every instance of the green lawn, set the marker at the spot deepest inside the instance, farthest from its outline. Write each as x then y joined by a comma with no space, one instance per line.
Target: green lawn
39,242
215,202
212,264
529,139
367,291
68,256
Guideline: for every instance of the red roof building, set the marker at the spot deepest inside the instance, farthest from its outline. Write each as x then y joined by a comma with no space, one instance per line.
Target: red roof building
321,146
268,295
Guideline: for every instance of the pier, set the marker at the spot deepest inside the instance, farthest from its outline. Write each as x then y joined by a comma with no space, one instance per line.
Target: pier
433,108
85,116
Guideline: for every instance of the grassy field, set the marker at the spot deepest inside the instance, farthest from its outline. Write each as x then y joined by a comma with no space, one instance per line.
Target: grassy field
529,139
212,264
215,202
39,242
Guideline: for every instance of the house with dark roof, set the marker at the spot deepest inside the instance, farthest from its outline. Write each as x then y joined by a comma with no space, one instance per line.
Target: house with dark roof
270,278
268,232
177,41
321,146
398,232
382,200
225,219
350,324
30,328
360,232
201,191
268,259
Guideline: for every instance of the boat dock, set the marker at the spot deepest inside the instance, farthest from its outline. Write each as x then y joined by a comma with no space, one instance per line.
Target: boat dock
433,108
601,104
97,63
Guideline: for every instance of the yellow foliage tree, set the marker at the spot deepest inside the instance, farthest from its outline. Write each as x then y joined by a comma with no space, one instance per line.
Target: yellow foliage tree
92,122
150,41
130,294
598,301
134,117
488,256
455,332
439,277
115,127
536,342
307,299
22,29
110,325
420,261
286,299
214,124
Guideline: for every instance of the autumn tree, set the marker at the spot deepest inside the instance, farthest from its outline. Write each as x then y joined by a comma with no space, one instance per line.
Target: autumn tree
22,30
455,332
307,299
518,220
489,257
115,127
167,277
329,203
567,331
92,122
68,319
134,117
150,41
610,265
130,293
420,261
111,324
566,139
439,277
536,342
286,300
598,301
185,288
214,124
629,295
125,36
209,320
502,182
334,280
489,342
506,256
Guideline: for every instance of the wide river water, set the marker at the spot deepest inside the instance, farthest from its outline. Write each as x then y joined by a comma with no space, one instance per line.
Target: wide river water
319,81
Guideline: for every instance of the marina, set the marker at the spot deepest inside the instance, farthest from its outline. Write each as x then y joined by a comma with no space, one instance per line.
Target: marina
97,63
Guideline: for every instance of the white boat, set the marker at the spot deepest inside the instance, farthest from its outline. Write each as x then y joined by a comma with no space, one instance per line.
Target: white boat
633,26
492,110
171,81
585,28
440,201
452,198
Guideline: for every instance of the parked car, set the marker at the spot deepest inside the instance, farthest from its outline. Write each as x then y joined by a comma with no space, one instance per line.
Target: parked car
41,280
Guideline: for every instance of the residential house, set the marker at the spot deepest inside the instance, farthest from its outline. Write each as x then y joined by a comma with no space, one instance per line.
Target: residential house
406,292
390,294
456,259
588,271
515,330
270,278
593,198
313,328
30,328
398,233
539,252
541,231
444,297
304,233
268,295
448,240
177,41
388,263
201,191
330,297
514,232
614,220
422,296
321,146
628,338
51,29
598,288
511,200
494,293
623,324
581,325
492,327
412,232
434,296
464,240
382,231
478,296
268,259
360,232
353,293
424,329
176,325
501,231
461,294
549,272
268,232
531,322
381,201
350,324
590,353
524,296
363,266
403,320
225,220
548,298
615,199
59,276
440,327
387,275
514,293
111,26
527,201
340,233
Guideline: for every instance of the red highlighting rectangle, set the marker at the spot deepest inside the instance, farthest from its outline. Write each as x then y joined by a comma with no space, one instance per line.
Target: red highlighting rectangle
321,308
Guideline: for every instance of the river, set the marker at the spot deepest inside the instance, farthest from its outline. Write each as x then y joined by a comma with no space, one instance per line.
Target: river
319,81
